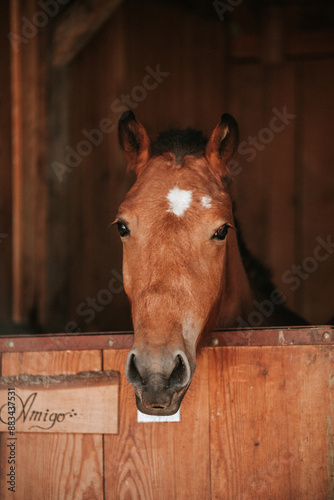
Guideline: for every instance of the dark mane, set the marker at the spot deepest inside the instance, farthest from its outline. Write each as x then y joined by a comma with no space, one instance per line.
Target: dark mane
260,279
180,143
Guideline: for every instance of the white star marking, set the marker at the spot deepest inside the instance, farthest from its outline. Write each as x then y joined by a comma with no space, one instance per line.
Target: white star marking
179,201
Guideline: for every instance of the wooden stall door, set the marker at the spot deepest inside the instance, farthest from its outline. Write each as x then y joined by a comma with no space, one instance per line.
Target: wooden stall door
256,424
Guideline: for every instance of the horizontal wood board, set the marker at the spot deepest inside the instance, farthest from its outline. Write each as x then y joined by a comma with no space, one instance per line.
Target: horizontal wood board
319,335
86,403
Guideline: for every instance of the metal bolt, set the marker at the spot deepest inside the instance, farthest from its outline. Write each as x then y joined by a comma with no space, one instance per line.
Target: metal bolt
10,344
326,336
111,342
214,342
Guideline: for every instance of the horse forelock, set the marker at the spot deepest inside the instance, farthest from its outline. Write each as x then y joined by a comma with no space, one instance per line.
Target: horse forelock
180,143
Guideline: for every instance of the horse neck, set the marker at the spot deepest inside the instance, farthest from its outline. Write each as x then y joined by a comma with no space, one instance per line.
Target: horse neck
236,296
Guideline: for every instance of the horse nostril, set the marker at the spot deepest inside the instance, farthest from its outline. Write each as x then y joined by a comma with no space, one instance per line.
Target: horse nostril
180,374
132,373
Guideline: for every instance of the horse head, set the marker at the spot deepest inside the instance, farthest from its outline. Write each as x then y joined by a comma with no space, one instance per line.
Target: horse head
181,265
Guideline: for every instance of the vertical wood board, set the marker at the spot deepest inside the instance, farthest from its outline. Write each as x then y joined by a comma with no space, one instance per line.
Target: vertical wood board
54,466
315,85
279,155
5,170
271,412
57,233
29,73
96,183
159,461
245,103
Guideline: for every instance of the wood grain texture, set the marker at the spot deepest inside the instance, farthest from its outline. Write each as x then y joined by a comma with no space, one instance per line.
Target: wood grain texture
54,466
77,26
271,412
284,191
55,311
53,272
5,171
280,175
249,188
315,80
297,45
159,461
29,68
97,184
84,403
256,424
119,54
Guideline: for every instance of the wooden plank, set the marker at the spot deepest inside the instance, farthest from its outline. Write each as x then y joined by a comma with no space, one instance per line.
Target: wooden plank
269,423
312,335
311,44
287,225
272,35
155,461
101,171
271,413
54,313
297,45
273,337
61,342
279,156
246,46
197,102
315,152
77,25
54,466
29,187
85,403
246,104
5,171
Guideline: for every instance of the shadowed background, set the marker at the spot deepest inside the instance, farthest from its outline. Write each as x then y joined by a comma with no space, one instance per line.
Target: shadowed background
68,71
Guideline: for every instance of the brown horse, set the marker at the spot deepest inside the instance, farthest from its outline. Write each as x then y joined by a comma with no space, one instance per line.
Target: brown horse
182,269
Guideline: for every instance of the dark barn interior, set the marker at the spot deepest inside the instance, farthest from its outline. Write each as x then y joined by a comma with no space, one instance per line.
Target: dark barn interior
68,71
257,421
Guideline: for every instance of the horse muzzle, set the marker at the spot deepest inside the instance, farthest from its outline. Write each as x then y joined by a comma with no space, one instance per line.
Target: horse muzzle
160,379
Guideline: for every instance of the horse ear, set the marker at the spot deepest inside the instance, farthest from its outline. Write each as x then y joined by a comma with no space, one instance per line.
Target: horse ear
134,141
222,145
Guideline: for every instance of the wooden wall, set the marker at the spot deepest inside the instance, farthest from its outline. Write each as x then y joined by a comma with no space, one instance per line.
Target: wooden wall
257,423
65,254
117,59
285,186
5,173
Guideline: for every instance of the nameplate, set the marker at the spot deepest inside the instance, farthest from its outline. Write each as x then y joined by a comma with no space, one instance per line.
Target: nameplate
83,403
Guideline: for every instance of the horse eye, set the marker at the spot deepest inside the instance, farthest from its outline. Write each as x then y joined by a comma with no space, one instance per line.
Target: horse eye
123,229
221,233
